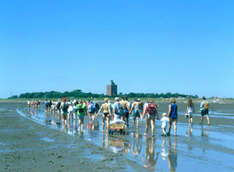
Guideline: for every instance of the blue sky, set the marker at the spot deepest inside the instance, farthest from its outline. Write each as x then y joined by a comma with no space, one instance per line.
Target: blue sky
144,46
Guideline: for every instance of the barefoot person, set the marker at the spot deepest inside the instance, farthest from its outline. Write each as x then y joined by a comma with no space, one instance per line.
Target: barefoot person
204,107
135,111
105,107
172,113
117,109
81,112
151,113
165,121
91,110
125,105
64,109
189,111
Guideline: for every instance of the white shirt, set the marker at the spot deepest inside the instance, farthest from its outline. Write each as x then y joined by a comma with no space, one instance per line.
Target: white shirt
165,121
70,108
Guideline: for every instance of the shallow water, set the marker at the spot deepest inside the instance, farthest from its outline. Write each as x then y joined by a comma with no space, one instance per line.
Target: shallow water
200,146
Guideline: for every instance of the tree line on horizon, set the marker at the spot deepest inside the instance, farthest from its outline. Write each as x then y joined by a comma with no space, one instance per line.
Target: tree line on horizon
80,94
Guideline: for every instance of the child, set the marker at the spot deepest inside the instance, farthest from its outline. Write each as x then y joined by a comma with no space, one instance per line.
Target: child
165,121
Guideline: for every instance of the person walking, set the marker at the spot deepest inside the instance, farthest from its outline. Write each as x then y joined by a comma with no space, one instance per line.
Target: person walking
125,105
105,107
204,107
189,111
173,115
81,113
117,109
151,113
135,111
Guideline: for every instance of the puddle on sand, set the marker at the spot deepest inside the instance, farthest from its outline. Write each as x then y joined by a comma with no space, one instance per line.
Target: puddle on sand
155,153
2,144
47,139
2,109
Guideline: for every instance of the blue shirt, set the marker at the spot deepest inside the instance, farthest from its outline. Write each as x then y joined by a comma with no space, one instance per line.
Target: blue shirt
173,114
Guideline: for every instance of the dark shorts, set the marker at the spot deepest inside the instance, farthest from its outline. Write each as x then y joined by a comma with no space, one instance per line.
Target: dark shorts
136,114
172,119
92,113
105,114
204,112
81,118
126,113
64,115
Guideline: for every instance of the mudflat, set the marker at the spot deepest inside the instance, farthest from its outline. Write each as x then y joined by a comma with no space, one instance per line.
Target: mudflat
29,147
29,143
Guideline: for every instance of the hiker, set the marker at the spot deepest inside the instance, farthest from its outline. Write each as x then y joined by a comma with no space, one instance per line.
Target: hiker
91,110
64,109
105,107
125,105
81,112
189,111
165,121
135,111
204,107
117,109
173,115
150,114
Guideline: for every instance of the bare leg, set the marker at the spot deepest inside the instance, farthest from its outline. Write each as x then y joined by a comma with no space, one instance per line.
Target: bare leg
108,121
152,126
202,118
75,117
174,125
137,120
146,125
103,121
208,120
170,123
191,120
164,131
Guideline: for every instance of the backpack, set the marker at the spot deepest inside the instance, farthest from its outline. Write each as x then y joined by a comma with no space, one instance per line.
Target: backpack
91,108
65,107
119,109
58,105
151,109
206,105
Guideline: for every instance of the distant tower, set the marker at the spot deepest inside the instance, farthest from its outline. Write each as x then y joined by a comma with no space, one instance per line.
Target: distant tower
111,90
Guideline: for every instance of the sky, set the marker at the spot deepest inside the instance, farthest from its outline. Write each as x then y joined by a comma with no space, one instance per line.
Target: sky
144,46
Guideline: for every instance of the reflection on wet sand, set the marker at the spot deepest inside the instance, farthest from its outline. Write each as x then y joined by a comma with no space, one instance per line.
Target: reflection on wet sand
137,143
204,139
150,158
169,152
172,154
143,149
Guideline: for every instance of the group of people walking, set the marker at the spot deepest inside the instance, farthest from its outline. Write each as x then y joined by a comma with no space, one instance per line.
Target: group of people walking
123,109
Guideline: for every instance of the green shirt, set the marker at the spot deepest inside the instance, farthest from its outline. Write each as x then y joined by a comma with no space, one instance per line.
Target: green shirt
81,109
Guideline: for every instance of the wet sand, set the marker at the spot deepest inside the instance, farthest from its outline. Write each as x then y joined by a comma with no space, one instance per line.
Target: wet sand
32,141
29,147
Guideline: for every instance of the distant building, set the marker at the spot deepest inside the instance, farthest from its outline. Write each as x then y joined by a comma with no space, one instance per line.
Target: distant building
111,90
